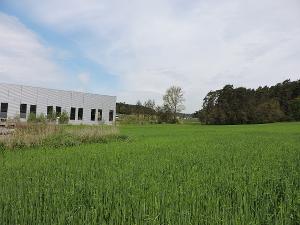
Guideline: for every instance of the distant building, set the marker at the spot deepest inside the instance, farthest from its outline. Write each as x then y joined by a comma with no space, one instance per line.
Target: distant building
83,108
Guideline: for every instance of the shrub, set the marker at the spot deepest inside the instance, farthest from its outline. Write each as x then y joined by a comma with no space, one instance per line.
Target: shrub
41,118
31,118
64,118
51,117
60,139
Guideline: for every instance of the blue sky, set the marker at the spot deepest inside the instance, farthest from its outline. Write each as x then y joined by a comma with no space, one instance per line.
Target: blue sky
136,49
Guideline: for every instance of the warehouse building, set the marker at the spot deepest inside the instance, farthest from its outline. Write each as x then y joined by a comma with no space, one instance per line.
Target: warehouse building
83,108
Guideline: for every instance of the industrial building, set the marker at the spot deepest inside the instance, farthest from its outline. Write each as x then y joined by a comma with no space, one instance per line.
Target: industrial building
83,108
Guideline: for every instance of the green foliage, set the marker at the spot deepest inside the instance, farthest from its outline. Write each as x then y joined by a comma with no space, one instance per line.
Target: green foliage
165,115
137,119
294,106
167,174
127,109
268,112
241,106
31,118
41,118
64,118
51,117
149,104
60,139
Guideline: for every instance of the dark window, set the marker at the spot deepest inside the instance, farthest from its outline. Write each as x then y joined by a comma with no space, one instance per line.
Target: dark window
80,113
49,110
33,109
73,113
93,114
58,111
4,108
99,114
111,115
23,111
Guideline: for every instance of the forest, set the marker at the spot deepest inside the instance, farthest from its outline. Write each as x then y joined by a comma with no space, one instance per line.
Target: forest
230,105
129,109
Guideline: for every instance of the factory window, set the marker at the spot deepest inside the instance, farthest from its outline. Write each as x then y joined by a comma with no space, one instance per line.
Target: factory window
73,113
23,111
33,109
58,111
93,114
80,113
99,114
4,108
49,110
111,115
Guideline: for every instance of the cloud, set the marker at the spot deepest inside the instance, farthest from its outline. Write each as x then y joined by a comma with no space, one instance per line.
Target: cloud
23,57
199,45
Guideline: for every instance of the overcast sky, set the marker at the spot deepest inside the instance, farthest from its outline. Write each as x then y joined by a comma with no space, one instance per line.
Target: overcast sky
136,49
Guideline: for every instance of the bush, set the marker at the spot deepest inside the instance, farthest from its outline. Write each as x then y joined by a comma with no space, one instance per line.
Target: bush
64,118
51,117
60,139
41,118
31,118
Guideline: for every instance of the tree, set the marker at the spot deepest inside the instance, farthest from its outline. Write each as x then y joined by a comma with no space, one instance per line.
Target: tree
173,100
149,104
294,106
164,115
139,103
268,112
231,105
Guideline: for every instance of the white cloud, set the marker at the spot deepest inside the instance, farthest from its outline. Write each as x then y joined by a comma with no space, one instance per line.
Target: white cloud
23,58
199,45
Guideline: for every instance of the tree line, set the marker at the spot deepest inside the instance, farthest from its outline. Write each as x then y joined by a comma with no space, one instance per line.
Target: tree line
166,113
230,105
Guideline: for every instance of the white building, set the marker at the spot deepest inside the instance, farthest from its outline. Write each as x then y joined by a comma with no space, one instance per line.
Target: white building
83,108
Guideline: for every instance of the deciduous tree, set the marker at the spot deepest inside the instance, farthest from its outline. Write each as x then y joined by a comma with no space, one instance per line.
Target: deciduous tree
173,99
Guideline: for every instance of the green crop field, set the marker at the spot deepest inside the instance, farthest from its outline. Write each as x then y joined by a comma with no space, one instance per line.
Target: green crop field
164,174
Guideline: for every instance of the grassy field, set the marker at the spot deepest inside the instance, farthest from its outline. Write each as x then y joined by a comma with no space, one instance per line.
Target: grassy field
164,174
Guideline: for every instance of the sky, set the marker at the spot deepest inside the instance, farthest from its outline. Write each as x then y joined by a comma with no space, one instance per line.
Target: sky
136,49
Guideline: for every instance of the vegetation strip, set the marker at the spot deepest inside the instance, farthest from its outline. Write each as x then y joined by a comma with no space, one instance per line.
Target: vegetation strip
51,135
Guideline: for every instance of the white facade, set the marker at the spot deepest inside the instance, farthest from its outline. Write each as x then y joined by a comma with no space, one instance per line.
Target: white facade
13,99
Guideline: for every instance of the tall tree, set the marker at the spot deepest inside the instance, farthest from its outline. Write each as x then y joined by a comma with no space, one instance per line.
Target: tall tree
149,104
173,99
139,108
240,105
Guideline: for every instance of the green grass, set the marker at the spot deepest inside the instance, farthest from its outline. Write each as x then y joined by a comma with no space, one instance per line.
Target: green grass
164,174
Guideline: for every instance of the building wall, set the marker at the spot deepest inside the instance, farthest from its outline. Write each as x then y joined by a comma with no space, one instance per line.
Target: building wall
15,95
